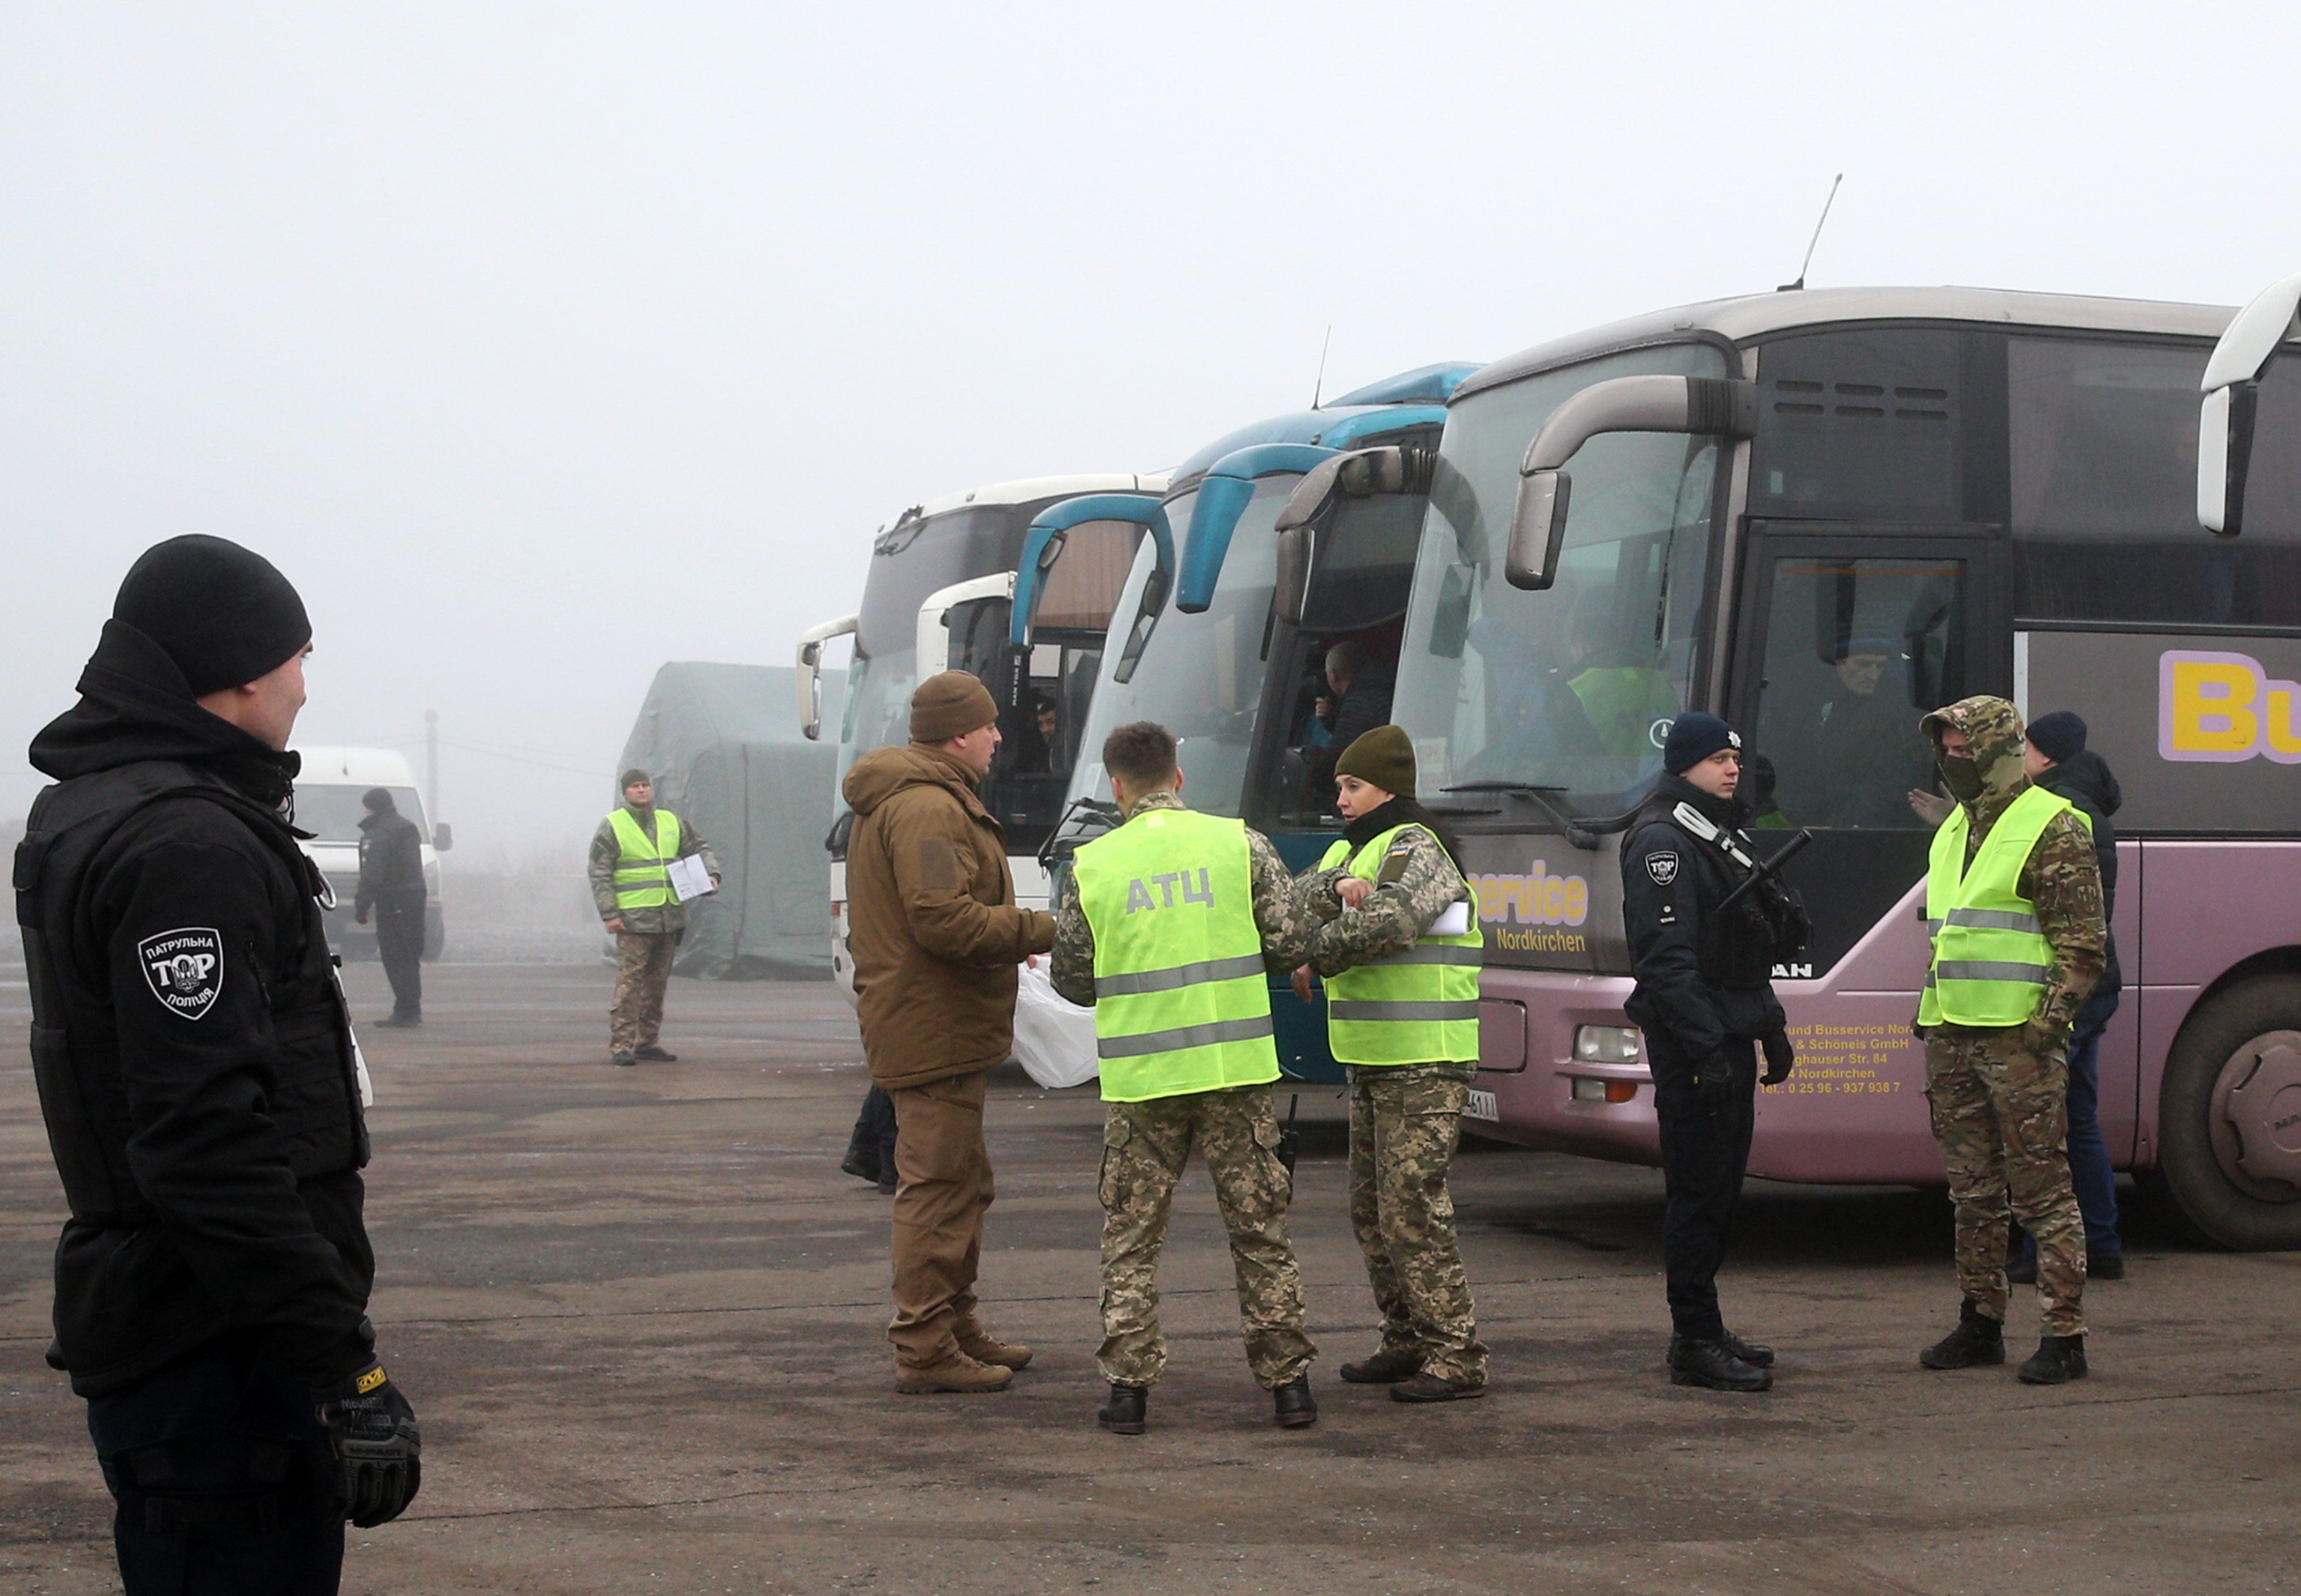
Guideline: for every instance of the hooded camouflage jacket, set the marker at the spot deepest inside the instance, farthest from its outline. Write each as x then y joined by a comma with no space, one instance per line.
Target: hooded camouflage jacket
2062,878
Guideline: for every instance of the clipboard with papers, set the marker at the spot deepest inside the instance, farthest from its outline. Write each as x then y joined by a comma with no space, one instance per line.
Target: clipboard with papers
688,879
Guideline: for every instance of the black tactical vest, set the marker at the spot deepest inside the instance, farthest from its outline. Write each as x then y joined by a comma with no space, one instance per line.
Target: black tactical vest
75,1043
1739,947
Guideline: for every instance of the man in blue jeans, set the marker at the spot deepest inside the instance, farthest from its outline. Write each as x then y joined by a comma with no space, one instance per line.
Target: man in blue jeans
2058,760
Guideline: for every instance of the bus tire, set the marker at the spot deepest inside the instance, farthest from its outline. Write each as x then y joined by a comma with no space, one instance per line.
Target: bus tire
2229,1116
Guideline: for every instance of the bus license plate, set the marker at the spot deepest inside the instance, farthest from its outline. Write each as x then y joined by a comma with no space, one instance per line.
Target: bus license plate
1481,1105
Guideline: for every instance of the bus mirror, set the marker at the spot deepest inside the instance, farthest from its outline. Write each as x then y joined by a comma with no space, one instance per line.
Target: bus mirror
1361,473
2232,398
1694,407
1293,575
1537,529
807,680
443,836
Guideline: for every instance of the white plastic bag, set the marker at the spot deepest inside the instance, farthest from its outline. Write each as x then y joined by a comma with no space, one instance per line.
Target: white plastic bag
1054,1038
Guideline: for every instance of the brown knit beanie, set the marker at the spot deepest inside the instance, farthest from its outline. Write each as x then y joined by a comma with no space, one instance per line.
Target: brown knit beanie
1383,757
950,706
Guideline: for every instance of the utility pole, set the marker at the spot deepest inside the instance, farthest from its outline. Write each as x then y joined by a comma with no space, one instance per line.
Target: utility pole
431,765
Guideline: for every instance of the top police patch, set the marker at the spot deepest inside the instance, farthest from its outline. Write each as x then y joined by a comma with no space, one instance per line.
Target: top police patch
1662,867
184,969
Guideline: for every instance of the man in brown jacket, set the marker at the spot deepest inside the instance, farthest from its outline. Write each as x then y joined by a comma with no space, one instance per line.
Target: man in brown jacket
936,938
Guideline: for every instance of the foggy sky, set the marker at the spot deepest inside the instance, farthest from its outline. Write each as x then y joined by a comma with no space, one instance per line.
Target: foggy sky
539,343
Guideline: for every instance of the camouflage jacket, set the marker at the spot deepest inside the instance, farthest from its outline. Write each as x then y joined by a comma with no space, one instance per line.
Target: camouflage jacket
1284,930
1414,883
2061,877
607,847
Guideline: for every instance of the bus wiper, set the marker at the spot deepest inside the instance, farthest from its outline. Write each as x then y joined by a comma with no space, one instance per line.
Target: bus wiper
1101,815
1575,833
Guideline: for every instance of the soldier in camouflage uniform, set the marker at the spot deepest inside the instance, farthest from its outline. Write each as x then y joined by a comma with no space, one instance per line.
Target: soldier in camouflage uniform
1998,1091
1379,906
1181,1000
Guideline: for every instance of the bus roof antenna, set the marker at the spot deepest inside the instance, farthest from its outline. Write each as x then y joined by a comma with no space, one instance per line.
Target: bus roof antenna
1318,389
1791,287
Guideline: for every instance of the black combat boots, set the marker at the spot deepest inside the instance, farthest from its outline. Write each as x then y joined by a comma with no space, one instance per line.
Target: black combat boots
1756,1354
2058,1360
1977,1339
1292,1404
1123,1414
1714,1365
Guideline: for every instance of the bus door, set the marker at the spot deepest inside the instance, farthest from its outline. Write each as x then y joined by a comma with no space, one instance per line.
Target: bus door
1846,638
1354,589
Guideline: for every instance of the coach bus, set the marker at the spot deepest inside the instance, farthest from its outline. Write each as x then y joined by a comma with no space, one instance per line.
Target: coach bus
1201,648
936,597
1820,513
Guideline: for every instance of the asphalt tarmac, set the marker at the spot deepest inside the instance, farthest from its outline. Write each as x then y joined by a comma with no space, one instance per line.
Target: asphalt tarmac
640,1314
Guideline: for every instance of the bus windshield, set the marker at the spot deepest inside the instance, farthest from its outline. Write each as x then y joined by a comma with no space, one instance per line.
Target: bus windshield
1571,689
1199,676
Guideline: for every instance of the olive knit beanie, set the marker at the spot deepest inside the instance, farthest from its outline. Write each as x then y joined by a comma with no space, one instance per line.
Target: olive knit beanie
1383,757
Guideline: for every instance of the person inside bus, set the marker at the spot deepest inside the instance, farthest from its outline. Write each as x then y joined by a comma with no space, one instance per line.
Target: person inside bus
1863,757
1622,696
2058,760
1360,689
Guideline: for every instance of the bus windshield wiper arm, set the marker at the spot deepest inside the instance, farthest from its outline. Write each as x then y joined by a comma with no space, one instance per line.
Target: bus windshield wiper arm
1575,833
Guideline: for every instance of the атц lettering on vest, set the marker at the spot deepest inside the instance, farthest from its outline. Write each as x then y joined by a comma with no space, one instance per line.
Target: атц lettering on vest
1139,894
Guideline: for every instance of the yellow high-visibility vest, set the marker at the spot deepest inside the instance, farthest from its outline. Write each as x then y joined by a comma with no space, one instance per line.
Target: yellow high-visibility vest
642,876
1991,960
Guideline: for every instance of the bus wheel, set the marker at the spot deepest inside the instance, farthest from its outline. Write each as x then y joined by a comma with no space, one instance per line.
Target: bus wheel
2229,1118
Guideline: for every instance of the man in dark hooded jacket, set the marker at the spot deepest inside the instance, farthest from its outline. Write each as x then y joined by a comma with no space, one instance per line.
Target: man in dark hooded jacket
392,888
202,1091
2058,760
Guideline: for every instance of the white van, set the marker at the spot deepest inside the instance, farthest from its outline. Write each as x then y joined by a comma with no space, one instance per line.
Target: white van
328,805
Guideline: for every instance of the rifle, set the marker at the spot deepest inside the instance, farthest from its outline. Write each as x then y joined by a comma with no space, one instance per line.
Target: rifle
1768,868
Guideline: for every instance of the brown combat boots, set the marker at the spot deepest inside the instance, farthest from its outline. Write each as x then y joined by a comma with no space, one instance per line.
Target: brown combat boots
983,1347
959,1375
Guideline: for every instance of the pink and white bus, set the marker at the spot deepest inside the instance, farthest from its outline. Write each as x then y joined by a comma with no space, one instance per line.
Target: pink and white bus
1820,513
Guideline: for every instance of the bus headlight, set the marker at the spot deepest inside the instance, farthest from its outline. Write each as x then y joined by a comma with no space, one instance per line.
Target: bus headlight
1606,1044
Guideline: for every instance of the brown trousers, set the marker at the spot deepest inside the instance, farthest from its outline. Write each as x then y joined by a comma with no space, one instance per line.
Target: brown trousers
642,970
945,1175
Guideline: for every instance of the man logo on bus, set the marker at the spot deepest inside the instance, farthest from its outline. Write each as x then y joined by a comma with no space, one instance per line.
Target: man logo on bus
2223,709
184,969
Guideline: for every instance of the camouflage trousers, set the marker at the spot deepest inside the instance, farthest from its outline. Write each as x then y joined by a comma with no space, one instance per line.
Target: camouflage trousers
2001,1113
1405,1121
642,970
1144,1147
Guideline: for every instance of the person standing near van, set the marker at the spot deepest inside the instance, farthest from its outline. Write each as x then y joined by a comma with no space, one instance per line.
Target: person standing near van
2014,895
1402,1012
391,887
1171,929
196,1071
630,884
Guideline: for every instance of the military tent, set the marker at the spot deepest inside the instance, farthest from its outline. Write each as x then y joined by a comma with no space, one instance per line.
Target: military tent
724,744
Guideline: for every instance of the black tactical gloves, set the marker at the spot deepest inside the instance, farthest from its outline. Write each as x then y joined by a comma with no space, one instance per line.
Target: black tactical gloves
378,1448
1780,1058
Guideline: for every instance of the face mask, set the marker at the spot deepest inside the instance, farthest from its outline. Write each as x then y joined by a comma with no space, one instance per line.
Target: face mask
1963,778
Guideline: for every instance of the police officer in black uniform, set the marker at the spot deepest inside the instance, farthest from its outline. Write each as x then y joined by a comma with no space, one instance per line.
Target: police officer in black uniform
391,887
202,1091
1706,1001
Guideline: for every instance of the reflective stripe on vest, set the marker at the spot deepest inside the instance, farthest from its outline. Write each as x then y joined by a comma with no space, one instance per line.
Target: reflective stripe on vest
1991,961
643,882
1181,1000
1417,1007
